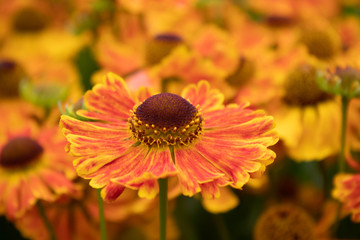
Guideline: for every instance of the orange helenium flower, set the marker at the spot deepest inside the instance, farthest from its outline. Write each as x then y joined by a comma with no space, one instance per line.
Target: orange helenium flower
133,141
33,166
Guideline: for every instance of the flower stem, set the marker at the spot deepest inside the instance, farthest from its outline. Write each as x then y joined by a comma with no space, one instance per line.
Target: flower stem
341,166
101,216
163,190
344,108
46,221
221,226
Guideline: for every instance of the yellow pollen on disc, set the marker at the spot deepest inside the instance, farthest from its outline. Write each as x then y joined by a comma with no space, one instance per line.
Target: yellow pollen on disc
168,119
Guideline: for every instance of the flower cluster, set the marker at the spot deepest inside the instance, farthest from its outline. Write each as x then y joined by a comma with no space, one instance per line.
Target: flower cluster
245,111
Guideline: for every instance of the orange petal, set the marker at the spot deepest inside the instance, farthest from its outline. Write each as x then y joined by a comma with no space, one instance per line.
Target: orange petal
111,192
12,201
155,165
235,161
193,170
224,203
201,94
120,166
111,98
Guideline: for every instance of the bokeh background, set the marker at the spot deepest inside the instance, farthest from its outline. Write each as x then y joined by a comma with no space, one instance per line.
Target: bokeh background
268,53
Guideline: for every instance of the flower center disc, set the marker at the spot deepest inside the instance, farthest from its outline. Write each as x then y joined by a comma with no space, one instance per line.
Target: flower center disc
243,73
302,89
166,110
19,152
319,43
10,77
160,46
29,19
166,119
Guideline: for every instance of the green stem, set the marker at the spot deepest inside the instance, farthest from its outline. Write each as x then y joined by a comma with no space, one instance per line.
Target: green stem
101,216
46,221
344,108
221,226
163,190
341,167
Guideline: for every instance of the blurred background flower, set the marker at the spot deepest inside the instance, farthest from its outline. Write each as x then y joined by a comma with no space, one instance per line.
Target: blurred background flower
297,60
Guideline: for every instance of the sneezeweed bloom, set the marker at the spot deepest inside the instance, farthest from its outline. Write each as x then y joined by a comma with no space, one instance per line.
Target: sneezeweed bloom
32,166
134,140
73,216
321,40
306,116
285,221
346,190
76,215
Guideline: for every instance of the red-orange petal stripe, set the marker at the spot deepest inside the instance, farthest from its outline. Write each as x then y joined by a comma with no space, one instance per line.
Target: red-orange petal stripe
112,191
111,97
193,169
156,164
120,166
235,161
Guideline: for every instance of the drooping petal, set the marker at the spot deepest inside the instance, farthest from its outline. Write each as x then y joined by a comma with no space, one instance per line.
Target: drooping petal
317,141
137,169
112,191
193,170
154,165
237,163
226,201
149,189
120,166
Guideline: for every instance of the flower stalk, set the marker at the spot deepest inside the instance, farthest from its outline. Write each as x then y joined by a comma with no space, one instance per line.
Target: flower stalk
163,191
46,221
344,108
101,216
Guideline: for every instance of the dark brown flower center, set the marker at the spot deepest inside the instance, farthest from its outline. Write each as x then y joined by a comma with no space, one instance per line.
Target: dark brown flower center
166,119
242,74
29,19
160,46
19,152
301,88
10,76
279,21
319,43
166,110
